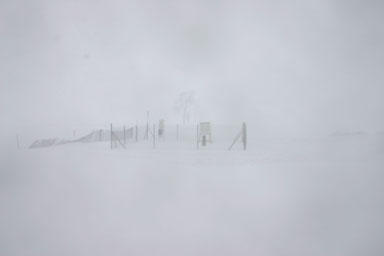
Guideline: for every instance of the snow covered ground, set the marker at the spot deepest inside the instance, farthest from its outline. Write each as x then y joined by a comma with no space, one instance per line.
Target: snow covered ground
320,196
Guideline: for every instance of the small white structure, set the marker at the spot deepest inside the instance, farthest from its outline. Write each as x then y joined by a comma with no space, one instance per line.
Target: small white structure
205,133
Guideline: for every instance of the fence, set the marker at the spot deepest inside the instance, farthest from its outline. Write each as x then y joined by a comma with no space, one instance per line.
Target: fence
163,136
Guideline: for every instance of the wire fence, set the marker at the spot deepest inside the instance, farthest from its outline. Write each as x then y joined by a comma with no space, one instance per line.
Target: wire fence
160,135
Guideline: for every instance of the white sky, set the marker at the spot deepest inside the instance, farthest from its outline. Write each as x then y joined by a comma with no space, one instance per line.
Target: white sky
288,66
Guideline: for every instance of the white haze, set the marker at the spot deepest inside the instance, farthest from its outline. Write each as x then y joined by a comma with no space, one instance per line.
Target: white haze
292,67
306,76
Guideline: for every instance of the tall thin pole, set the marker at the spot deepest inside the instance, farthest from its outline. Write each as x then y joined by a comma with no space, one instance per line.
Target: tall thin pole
137,132
235,140
147,121
146,132
244,136
111,137
125,139
197,137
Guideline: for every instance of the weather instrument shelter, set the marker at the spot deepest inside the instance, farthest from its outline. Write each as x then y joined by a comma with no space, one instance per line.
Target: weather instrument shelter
205,133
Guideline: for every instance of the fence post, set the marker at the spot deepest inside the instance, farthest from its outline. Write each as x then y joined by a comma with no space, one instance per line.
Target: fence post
197,137
146,136
111,137
244,136
137,132
125,139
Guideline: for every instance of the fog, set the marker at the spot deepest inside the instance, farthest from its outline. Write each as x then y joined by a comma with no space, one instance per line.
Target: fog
306,77
290,66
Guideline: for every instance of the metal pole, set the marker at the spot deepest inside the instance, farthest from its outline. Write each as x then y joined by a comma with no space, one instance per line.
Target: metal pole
235,140
118,140
125,139
111,137
244,136
146,132
197,137
137,132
